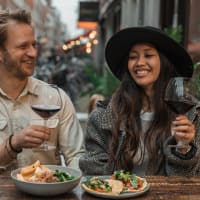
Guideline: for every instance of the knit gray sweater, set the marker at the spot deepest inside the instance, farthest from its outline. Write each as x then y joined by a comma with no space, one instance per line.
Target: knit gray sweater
98,137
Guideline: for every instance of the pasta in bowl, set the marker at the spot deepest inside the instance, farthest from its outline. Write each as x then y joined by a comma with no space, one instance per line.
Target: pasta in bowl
49,180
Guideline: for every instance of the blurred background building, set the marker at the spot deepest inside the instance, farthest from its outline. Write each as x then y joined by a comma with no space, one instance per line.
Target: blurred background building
180,19
50,31
178,16
77,64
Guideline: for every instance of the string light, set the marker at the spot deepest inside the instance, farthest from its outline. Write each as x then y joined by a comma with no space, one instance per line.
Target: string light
88,40
95,41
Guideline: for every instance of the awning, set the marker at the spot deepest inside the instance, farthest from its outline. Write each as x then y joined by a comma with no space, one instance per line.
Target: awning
88,15
87,25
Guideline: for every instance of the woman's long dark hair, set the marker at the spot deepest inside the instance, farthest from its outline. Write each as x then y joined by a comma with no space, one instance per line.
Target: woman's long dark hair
127,105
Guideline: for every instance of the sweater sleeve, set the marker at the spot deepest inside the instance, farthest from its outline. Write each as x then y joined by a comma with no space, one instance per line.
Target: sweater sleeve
181,165
188,164
95,160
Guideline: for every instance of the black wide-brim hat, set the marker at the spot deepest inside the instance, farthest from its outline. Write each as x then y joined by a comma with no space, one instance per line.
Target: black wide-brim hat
120,43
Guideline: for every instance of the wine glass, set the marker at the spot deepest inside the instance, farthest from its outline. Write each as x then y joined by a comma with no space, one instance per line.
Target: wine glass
180,97
46,102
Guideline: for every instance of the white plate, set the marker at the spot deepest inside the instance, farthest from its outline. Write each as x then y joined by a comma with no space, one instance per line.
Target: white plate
48,189
120,196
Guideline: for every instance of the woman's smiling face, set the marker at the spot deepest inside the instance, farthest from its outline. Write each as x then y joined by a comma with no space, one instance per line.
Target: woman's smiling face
144,65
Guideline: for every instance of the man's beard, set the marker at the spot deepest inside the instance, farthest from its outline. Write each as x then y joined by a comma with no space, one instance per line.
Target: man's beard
8,62
12,66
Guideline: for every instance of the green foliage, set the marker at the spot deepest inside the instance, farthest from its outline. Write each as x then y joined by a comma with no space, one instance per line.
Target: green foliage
196,78
196,65
104,84
111,83
175,33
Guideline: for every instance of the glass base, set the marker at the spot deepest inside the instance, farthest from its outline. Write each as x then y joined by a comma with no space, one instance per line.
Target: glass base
44,148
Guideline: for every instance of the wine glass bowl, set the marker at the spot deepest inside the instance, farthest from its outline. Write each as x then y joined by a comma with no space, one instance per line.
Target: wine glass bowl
180,96
46,102
45,111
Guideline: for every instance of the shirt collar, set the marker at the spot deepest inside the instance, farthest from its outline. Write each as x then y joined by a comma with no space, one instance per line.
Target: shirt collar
29,88
31,84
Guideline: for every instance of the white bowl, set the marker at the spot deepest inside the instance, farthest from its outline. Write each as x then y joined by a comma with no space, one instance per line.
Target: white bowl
48,189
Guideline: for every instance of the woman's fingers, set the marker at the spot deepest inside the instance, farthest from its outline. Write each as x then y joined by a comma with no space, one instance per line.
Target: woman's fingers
184,129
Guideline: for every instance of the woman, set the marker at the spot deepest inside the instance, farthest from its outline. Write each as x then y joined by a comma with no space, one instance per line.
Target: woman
133,130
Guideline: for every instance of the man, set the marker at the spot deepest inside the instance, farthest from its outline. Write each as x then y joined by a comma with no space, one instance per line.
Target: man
19,134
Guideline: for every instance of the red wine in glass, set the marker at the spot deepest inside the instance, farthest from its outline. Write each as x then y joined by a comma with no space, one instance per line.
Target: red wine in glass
180,97
46,111
46,104
180,107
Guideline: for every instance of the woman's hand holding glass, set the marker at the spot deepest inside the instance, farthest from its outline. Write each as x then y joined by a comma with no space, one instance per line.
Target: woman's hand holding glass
180,96
183,131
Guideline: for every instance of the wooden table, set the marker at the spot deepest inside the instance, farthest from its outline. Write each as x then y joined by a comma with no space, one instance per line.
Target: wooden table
161,188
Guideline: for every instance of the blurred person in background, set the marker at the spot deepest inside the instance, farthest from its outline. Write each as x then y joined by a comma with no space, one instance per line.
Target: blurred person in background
18,52
93,101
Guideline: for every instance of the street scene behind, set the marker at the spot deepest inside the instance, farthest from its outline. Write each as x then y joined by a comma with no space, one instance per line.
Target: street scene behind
76,63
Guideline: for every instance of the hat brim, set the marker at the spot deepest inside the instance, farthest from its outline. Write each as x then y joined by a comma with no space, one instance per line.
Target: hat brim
119,45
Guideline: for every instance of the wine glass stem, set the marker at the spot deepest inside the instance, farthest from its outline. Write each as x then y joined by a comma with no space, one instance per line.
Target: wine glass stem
45,143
